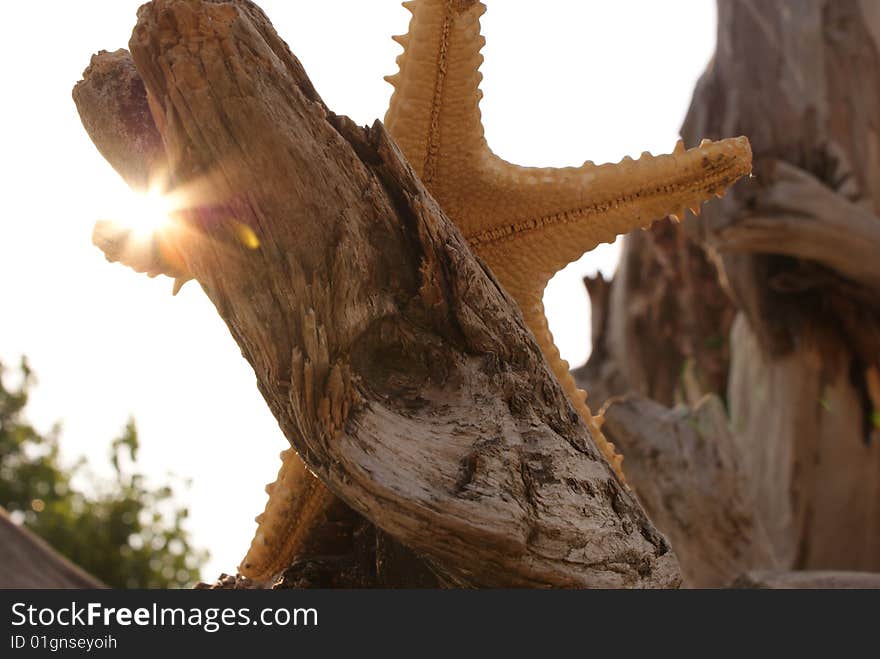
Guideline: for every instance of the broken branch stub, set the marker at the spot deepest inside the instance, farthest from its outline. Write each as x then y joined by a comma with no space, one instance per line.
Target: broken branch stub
124,131
396,366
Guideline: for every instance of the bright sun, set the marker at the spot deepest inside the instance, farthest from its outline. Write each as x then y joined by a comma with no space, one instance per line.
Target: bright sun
147,212
147,231
138,213
143,231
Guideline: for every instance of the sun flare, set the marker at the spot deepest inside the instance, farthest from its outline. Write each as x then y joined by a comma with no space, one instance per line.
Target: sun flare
147,213
150,231
144,231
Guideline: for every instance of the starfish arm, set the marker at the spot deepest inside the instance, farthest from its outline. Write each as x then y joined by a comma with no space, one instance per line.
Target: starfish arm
532,309
152,254
531,223
434,111
294,514
528,223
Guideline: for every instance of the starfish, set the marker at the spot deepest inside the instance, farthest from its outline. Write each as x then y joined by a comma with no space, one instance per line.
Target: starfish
525,223
528,223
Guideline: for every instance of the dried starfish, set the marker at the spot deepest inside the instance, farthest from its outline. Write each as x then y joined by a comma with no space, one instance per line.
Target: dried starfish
529,223
526,223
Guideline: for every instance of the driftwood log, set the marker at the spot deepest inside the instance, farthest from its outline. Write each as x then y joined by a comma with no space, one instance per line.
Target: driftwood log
397,367
764,315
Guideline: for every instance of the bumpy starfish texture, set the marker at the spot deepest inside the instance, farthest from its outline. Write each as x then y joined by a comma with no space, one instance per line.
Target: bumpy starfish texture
529,223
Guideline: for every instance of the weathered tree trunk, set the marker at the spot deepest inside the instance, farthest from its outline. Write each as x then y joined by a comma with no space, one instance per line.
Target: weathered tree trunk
786,332
397,367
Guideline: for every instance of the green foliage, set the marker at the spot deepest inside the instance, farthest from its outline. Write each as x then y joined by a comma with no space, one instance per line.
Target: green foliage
120,530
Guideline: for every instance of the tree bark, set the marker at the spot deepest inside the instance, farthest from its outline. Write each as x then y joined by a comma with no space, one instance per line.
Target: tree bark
809,580
787,333
395,364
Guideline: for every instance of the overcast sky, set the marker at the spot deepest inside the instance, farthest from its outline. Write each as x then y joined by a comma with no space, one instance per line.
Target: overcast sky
564,81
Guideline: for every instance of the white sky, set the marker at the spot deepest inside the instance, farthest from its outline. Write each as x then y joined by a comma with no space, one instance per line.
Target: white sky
564,81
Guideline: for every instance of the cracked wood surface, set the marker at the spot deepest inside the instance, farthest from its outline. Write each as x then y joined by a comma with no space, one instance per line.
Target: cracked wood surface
395,364
786,330
807,338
